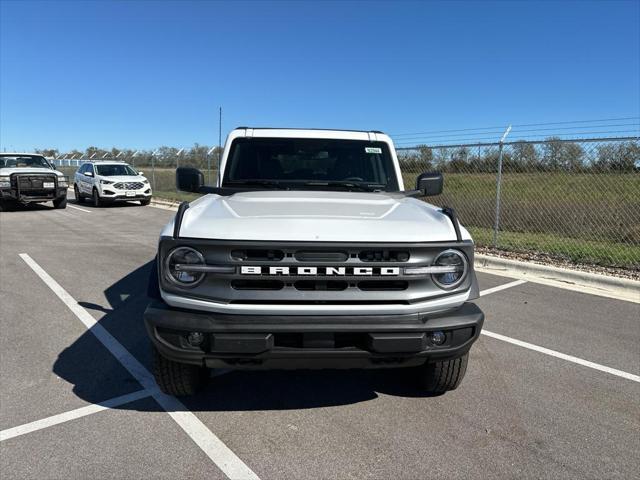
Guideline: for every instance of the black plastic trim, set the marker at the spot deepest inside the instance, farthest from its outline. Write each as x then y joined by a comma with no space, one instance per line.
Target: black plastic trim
178,220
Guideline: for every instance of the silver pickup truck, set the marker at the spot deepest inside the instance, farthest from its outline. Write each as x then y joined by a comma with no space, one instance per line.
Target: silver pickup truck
309,253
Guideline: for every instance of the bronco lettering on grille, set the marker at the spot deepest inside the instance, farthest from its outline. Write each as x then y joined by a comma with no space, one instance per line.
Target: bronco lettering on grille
321,271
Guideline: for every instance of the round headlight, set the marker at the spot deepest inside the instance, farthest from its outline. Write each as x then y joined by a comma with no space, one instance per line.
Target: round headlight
177,260
456,263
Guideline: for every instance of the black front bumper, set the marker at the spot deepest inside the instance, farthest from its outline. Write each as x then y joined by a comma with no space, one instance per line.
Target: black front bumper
363,341
32,196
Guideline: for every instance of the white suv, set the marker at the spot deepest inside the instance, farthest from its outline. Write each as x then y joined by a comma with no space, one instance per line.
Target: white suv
110,181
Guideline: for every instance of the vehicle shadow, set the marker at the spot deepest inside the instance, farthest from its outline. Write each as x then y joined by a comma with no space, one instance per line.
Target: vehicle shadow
97,376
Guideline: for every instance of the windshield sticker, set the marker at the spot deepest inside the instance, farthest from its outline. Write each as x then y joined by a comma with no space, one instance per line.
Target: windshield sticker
372,150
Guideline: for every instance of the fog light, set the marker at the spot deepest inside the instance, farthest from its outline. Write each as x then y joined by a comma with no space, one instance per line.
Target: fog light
195,339
437,338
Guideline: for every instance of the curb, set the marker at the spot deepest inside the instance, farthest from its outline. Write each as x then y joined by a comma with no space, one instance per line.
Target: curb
604,285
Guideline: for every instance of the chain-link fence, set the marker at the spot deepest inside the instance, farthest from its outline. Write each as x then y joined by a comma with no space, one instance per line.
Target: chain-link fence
574,199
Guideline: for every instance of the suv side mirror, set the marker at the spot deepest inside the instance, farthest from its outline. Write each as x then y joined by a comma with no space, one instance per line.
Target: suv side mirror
189,179
88,174
430,183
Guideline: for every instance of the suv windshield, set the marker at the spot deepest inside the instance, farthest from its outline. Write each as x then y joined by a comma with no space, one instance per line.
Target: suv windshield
310,163
32,161
115,170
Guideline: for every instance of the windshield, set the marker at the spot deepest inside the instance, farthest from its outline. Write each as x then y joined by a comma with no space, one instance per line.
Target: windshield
115,170
18,161
310,163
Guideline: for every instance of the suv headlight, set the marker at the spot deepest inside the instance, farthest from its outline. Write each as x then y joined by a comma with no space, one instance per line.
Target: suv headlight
5,181
63,181
183,257
106,182
458,267
145,181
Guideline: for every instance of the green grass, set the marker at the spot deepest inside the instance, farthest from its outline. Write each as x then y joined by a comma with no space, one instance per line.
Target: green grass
576,250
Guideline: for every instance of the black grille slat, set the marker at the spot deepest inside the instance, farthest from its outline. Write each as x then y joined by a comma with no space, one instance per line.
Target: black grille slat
384,256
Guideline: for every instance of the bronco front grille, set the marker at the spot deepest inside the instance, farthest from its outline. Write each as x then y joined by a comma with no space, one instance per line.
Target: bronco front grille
129,185
313,273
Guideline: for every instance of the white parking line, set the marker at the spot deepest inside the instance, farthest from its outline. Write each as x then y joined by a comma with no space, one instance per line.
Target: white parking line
211,445
489,291
548,351
78,208
72,415
563,356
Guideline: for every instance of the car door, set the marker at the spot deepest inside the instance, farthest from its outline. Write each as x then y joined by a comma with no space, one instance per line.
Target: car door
79,178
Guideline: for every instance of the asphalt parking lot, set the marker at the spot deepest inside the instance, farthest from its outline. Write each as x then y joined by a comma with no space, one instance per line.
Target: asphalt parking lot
75,297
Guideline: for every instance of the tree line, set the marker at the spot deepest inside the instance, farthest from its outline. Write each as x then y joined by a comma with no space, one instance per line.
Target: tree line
551,155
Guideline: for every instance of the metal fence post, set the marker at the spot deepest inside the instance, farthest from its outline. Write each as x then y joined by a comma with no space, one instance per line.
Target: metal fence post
153,169
496,225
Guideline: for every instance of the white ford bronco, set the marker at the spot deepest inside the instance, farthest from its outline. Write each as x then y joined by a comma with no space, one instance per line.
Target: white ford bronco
309,253
29,178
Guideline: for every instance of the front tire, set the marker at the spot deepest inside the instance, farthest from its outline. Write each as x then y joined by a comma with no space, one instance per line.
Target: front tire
145,202
96,199
60,203
178,379
77,194
442,376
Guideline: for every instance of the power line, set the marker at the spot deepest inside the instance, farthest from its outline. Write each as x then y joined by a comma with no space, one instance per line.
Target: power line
517,132
519,125
480,139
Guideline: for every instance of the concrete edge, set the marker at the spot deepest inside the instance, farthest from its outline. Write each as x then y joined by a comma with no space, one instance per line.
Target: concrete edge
603,285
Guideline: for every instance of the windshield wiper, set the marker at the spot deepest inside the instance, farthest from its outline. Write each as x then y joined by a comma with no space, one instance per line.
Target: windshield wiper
256,183
368,187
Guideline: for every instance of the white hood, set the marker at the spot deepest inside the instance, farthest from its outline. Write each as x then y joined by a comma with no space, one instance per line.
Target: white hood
315,217
124,178
12,170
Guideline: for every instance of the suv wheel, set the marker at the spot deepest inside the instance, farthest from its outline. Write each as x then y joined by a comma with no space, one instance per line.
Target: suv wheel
178,379
77,194
60,203
145,202
440,377
96,198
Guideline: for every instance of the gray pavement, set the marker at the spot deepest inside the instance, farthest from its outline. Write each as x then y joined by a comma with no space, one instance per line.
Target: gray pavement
518,413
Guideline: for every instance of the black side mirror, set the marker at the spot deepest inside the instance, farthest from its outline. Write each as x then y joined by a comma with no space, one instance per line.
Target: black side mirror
430,183
189,179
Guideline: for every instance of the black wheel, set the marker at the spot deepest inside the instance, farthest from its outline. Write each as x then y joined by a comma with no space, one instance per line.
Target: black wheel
60,203
96,199
178,379
145,202
443,376
77,194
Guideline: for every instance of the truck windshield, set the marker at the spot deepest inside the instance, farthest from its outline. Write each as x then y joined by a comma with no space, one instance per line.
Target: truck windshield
115,170
17,161
310,163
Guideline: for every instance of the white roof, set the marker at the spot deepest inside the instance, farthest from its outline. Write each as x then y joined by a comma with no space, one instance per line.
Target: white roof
18,154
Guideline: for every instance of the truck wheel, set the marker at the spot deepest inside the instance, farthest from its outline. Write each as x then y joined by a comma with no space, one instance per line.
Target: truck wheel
77,194
178,379
145,202
440,377
96,199
60,203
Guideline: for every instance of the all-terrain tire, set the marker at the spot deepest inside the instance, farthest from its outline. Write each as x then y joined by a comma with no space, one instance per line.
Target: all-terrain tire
442,376
178,379
60,203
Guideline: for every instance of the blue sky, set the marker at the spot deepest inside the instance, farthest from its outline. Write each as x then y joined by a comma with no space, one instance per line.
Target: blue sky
145,74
